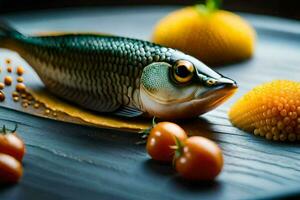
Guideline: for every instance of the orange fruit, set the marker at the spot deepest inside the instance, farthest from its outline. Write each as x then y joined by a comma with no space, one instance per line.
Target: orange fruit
215,37
271,110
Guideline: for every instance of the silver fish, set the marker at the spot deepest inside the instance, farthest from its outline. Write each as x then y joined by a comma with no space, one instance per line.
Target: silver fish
122,76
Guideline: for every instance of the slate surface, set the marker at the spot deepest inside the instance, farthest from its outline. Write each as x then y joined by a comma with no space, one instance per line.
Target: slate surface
66,161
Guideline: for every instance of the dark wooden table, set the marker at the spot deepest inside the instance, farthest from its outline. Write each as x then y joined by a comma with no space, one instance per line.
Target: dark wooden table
67,161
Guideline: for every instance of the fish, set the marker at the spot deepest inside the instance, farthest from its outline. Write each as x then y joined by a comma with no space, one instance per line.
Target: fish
120,76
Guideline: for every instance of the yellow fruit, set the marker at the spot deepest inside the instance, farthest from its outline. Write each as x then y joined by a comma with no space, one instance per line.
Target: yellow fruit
271,110
215,37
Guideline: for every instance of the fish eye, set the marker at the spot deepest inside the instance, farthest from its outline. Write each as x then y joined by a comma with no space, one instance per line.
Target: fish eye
183,71
210,82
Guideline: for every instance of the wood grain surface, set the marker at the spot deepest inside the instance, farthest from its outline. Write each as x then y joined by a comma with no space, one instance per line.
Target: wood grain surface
67,161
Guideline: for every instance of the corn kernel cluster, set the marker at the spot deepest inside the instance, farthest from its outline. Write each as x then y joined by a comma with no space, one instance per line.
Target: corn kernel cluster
271,110
218,38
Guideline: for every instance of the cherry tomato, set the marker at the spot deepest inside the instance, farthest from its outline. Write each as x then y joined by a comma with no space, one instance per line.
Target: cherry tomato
12,145
11,169
161,138
200,159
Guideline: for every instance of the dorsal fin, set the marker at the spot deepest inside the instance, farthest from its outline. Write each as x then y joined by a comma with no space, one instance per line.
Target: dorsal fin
7,30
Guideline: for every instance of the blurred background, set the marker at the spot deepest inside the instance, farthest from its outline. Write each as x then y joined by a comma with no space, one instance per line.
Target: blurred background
281,8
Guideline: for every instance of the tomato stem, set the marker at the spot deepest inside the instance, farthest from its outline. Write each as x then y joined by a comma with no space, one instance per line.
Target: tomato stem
5,130
146,132
153,122
15,129
178,149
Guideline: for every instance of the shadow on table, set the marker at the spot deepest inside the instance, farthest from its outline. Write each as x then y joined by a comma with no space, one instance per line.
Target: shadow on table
4,187
195,186
199,127
159,169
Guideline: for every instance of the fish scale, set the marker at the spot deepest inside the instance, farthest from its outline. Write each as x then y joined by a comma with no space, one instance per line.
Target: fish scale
93,71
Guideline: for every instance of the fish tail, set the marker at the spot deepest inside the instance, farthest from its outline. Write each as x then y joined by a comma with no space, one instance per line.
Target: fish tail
7,33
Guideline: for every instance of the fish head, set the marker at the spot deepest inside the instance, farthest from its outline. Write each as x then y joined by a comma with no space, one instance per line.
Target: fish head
185,88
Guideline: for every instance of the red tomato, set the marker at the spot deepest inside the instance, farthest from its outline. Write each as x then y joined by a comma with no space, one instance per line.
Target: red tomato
12,145
11,169
162,138
201,159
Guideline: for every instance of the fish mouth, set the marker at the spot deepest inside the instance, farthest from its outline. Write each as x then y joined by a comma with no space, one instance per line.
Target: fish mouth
214,97
220,94
223,86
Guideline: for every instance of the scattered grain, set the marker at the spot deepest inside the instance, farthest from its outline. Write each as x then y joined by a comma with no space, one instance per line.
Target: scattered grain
8,80
9,69
25,104
2,96
8,61
23,95
20,79
20,87
15,94
16,99
24,101
29,97
36,105
20,70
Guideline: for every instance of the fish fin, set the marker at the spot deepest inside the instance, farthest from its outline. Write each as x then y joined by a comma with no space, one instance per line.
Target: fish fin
126,111
7,31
